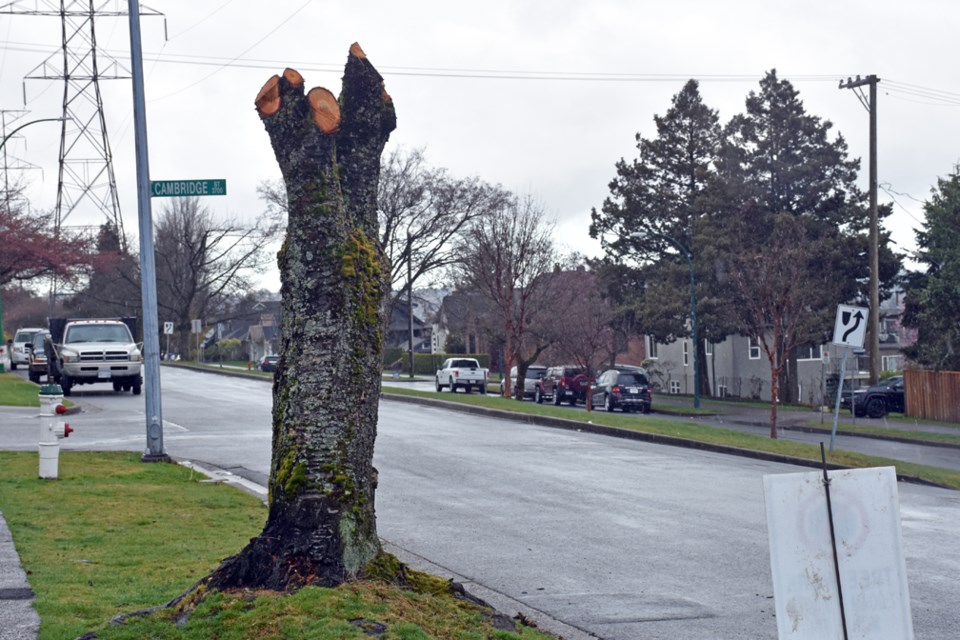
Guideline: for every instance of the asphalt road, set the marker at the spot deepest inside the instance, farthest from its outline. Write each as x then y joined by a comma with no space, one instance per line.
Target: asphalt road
616,538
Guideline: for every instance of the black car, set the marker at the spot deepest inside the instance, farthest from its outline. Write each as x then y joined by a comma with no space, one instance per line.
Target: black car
37,357
881,399
624,390
269,363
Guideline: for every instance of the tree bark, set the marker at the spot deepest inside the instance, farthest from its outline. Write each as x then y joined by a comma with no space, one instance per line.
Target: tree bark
321,527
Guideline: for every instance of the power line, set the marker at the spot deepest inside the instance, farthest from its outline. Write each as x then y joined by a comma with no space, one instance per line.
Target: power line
936,96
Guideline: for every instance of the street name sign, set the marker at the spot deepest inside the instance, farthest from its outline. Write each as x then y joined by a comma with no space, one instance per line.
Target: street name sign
851,326
173,188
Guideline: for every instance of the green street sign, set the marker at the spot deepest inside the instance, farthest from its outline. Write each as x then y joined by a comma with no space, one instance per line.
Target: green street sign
172,188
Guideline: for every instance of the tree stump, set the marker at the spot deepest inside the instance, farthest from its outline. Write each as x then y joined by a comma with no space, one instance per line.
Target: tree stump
321,527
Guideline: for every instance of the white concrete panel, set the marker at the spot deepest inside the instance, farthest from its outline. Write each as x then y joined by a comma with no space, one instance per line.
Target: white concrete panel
872,570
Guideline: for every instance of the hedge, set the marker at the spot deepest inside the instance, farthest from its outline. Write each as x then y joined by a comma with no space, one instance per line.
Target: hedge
425,363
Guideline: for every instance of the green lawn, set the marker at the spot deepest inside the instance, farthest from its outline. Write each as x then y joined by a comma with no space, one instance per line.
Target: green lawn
114,535
17,392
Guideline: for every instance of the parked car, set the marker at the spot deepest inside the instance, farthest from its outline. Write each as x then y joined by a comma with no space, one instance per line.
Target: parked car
269,363
534,373
848,393
20,346
627,390
465,373
881,399
38,357
562,383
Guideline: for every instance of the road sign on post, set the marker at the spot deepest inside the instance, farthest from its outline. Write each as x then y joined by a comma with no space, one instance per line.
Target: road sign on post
173,188
851,326
168,328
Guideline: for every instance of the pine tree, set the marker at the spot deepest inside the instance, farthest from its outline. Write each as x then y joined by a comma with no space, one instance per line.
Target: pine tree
661,194
778,161
933,295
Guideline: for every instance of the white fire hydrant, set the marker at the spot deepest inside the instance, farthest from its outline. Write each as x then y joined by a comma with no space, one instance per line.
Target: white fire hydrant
51,430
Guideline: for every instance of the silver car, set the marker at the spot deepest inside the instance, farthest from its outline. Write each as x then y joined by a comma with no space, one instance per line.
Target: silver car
534,373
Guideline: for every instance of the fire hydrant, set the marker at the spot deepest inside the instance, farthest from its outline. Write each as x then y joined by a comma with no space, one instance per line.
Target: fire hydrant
51,430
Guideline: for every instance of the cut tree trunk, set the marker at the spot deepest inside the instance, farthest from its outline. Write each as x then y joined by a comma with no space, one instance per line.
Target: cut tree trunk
321,527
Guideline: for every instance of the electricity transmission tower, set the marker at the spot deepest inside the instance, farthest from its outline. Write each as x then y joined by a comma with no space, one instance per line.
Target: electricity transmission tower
86,161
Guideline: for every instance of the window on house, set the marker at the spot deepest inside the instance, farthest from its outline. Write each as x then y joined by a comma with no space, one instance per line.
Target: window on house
891,363
674,387
686,354
652,348
809,351
754,349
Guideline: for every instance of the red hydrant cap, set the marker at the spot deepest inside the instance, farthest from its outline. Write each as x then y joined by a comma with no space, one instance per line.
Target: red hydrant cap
60,409
67,430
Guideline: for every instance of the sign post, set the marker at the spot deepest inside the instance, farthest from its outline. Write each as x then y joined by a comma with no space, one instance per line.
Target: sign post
849,331
196,326
168,330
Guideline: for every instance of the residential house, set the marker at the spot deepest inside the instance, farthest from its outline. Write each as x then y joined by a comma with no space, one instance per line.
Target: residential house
738,366
464,315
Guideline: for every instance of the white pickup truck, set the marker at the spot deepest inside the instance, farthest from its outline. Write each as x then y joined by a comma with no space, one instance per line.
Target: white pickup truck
465,373
90,351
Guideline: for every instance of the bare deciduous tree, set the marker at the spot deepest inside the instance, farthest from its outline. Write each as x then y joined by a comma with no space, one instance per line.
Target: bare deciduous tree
201,261
771,284
505,258
422,210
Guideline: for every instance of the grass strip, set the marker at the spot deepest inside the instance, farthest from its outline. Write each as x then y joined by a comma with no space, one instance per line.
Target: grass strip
698,433
115,535
17,392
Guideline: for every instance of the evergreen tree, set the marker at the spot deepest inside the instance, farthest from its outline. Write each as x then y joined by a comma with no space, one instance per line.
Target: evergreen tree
778,161
933,295
113,288
660,194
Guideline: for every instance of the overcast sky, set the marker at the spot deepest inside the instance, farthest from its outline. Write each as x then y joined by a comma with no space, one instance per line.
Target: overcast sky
542,97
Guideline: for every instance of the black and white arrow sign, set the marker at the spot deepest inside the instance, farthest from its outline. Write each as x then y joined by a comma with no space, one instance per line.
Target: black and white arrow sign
851,326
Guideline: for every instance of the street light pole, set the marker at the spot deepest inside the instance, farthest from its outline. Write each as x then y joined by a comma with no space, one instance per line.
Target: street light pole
2,145
693,307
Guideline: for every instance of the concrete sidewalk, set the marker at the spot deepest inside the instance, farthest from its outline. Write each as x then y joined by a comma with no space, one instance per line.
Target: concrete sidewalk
18,618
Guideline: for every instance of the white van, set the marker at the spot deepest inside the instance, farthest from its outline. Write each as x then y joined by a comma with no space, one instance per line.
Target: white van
20,353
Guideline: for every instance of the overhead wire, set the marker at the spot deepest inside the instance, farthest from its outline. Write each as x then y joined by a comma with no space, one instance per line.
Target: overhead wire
202,20
237,57
894,88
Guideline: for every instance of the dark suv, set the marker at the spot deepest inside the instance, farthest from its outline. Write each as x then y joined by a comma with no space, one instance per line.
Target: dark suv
624,390
564,383
881,399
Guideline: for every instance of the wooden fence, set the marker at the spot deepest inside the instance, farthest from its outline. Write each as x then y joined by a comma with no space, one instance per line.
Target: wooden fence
932,395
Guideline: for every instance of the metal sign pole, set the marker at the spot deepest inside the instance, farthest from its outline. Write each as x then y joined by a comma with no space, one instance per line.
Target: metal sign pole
836,407
148,270
833,544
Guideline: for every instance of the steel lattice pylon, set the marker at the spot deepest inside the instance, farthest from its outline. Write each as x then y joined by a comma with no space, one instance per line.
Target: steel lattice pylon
86,161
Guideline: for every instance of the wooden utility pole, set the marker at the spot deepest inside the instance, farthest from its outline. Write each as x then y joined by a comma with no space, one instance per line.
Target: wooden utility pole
873,321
